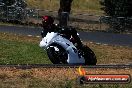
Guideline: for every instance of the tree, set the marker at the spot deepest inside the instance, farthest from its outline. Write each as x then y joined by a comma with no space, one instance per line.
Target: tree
117,8
13,9
8,2
119,11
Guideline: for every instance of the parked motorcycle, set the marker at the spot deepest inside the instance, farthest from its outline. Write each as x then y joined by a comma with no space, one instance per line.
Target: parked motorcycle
62,51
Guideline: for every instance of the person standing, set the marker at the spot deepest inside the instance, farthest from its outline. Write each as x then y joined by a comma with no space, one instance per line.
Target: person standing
64,11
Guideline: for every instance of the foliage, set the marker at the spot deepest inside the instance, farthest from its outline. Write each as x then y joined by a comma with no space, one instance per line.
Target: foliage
12,9
8,2
20,3
120,12
118,8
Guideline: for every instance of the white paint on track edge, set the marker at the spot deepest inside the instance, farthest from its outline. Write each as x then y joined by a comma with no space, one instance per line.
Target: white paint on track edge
29,35
32,36
38,36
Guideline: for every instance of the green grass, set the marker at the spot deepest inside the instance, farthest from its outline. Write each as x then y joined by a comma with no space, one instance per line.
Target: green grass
14,52
18,49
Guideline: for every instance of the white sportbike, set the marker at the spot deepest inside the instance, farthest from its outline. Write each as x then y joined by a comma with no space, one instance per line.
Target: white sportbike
62,51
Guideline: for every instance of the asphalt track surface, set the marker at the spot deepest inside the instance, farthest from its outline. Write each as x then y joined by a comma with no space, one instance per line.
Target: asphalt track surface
97,37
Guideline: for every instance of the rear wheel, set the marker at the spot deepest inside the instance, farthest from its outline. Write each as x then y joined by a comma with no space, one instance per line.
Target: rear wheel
90,57
58,56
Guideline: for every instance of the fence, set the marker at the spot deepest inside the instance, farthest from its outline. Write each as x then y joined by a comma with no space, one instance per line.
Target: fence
81,21
29,16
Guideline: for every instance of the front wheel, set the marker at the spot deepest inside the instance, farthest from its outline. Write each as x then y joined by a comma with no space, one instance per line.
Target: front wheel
57,56
90,57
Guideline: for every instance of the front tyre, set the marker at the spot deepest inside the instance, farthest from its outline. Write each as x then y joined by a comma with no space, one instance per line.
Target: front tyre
57,57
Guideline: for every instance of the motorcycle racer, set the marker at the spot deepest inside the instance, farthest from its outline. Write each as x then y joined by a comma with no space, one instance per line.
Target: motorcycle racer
68,32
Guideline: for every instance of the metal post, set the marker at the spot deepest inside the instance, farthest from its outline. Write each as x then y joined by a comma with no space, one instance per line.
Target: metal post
7,14
37,17
100,22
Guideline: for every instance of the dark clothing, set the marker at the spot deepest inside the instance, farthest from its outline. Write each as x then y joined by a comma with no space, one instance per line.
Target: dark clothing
49,28
66,32
64,11
65,6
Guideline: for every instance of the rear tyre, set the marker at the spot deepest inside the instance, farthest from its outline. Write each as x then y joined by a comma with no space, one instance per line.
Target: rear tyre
90,57
57,57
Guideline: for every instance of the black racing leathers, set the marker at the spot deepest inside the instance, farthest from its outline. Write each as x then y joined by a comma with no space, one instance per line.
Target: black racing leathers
67,32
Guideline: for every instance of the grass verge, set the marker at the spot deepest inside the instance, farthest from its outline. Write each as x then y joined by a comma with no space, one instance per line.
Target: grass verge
79,6
18,49
15,50
54,78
